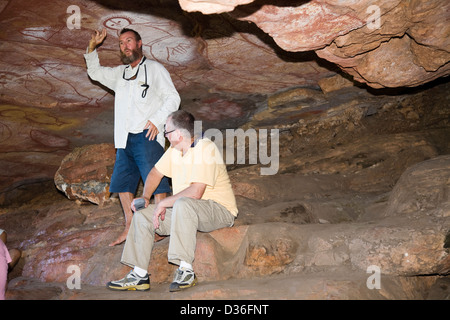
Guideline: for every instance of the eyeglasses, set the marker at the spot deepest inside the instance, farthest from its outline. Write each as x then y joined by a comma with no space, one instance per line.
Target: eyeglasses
167,132
145,86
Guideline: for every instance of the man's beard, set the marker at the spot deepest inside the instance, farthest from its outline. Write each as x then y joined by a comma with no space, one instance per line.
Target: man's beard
135,54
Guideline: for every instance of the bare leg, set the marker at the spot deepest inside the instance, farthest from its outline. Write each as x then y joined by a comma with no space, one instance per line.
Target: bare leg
15,256
159,197
125,199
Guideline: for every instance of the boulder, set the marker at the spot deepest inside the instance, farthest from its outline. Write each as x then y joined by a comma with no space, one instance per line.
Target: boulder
85,173
423,190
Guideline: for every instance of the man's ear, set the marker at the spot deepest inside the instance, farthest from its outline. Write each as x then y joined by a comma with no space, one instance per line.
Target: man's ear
139,43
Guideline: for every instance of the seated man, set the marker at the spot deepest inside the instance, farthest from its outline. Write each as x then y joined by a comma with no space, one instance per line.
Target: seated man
202,200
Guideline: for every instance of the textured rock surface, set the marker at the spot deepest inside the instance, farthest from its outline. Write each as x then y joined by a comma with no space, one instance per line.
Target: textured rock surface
86,172
224,67
354,185
68,234
349,194
423,188
48,106
381,43
200,52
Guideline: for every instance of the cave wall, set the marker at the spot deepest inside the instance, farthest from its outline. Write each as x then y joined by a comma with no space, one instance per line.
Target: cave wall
226,58
344,144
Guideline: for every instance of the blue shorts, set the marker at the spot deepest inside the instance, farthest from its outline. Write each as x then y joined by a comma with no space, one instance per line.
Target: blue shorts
135,162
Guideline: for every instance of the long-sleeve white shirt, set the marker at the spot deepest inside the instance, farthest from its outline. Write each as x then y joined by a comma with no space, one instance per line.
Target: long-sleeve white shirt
131,110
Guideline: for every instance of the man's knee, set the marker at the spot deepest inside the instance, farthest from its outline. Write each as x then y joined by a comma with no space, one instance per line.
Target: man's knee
184,202
138,218
142,217
184,206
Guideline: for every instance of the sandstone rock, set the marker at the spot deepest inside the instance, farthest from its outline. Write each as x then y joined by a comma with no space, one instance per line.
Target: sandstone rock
331,206
423,190
270,250
385,66
373,164
189,46
86,172
49,105
223,71
363,38
212,6
67,234
214,255
404,248
334,83
292,96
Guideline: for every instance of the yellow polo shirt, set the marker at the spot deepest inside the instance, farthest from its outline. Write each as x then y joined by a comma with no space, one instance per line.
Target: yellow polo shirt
202,163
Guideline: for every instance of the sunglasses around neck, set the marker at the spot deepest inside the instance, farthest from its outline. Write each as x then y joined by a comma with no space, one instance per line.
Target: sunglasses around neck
145,86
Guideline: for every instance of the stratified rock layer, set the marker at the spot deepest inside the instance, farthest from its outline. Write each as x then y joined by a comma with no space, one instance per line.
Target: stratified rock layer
382,43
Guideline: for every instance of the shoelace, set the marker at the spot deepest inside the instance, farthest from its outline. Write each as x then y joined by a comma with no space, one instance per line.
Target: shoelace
178,275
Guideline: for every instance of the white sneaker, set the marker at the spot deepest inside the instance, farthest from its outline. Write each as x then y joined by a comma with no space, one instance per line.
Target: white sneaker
183,279
130,282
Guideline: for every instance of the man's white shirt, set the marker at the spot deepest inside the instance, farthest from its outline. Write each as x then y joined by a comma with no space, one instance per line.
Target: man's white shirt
131,108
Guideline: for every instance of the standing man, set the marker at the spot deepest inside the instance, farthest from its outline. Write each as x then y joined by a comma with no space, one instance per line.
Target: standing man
144,97
202,200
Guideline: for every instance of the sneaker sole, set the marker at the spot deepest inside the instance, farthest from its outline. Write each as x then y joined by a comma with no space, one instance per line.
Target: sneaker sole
174,287
141,287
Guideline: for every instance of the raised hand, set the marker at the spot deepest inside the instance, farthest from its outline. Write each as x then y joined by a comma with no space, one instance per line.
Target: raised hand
97,38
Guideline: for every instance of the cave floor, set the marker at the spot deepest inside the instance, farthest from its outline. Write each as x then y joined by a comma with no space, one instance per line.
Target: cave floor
340,284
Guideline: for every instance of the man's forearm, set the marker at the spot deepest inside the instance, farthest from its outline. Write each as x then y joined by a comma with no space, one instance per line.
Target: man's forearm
194,191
